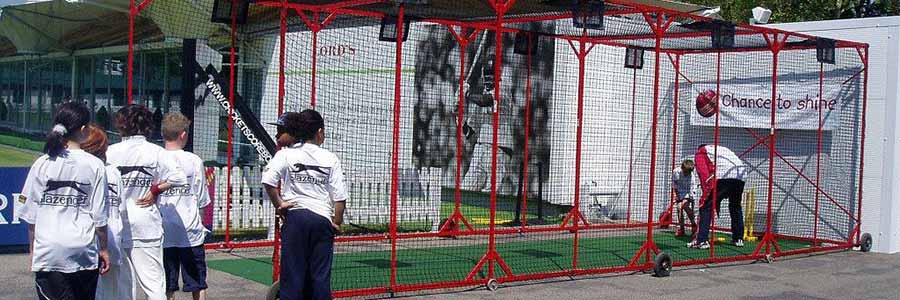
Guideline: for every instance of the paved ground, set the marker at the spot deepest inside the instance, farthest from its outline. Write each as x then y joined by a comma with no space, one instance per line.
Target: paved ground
841,275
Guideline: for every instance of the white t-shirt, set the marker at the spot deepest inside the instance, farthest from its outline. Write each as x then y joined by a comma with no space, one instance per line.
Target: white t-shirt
685,186
65,199
180,205
311,178
116,213
142,164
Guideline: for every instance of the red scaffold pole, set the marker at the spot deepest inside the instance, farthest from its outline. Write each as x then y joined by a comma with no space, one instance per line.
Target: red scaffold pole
395,162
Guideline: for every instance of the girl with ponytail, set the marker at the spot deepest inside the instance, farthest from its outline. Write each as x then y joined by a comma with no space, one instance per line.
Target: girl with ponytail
69,123
64,203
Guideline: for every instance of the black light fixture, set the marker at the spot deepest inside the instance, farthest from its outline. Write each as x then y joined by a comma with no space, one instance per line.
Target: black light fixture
825,50
723,35
588,14
222,10
526,42
388,31
634,58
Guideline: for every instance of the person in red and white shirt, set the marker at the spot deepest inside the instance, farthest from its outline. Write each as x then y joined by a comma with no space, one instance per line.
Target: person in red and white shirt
721,175
147,171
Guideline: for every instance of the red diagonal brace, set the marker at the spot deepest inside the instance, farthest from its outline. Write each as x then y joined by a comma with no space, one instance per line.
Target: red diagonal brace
490,257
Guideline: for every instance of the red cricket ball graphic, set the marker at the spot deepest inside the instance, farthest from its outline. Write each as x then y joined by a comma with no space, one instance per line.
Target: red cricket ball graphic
707,103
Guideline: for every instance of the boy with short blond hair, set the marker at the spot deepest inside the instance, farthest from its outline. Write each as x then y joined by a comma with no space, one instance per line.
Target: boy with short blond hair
180,207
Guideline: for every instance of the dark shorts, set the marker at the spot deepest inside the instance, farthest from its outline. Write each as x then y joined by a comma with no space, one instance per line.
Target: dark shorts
190,262
80,285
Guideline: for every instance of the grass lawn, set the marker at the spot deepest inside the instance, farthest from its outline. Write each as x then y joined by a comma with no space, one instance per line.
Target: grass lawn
21,141
16,158
525,255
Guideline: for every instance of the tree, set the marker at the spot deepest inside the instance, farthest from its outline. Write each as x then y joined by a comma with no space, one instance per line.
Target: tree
739,11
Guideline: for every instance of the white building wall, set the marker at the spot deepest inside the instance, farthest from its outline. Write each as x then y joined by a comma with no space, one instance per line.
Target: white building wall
881,207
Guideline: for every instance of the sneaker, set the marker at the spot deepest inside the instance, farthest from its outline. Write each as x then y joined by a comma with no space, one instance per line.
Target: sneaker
738,243
703,245
698,245
679,232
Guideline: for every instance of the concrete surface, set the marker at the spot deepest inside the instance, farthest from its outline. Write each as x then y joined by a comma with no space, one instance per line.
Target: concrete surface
840,275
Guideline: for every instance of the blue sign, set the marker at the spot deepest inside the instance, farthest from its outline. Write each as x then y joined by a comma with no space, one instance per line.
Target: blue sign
12,231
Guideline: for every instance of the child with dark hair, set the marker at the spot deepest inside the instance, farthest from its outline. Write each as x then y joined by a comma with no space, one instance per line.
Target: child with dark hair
311,200
64,203
116,284
147,171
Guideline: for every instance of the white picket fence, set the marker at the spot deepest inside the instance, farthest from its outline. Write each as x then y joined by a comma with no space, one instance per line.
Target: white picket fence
369,204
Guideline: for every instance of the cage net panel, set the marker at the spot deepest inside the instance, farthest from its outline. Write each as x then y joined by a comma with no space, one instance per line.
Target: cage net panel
745,85
338,65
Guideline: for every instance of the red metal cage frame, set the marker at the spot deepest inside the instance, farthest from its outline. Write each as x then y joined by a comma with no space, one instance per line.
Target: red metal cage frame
658,20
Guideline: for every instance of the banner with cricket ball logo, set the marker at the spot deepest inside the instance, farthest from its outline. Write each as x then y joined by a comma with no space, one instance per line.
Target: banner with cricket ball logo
797,105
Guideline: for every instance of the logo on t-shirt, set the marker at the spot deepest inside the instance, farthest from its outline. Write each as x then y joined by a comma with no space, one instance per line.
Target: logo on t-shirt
179,190
301,173
143,178
64,195
113,195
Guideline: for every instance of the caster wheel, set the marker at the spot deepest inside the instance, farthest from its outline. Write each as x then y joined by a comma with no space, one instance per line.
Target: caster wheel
865,242
770,258
273,291
662,266
492,285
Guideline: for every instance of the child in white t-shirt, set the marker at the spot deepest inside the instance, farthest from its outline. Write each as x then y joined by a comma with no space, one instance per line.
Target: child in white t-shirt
116,284
684,185
180,208
64,203
147,171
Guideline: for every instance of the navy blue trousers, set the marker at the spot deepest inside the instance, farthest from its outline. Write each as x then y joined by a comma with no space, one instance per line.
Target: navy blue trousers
307,247
732,189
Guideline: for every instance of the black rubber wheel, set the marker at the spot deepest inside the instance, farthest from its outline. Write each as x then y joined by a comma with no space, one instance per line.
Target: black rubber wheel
865,242
273,291
662,266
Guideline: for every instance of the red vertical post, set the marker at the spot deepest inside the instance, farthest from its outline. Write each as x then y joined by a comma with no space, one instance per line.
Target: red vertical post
395,151
677,65
230,123
492,257
582,56
461,108
498,66
768,239
659,24
715,187
818,157
452,222
524,174
315,46
659,31
281,53
276,250
132,12
862,141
